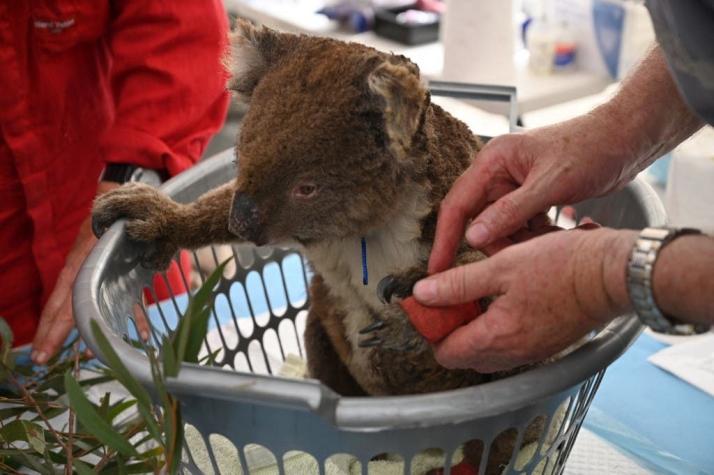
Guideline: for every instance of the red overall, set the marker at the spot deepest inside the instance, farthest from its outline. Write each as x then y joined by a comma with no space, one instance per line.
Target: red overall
84,83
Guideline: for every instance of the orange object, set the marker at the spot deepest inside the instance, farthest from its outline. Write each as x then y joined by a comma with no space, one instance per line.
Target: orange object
435,323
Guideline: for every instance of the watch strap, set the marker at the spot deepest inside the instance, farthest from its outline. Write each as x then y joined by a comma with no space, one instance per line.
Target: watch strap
123,173
640,269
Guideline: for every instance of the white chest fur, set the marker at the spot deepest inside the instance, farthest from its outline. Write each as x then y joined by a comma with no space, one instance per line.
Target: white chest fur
391,249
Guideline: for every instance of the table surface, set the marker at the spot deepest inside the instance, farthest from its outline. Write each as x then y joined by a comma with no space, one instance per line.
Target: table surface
534,91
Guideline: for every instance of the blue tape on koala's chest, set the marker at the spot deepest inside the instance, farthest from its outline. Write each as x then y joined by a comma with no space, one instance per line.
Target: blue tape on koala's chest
365,275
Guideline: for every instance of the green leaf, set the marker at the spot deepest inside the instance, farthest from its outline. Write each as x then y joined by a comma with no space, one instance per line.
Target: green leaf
104,407
171,366
151,453
151,426
122,374
119,407
13,411
95,380
121,466
32,461
7,358
192,327
209,358
132,468
26,431
82,468
88,416
174,448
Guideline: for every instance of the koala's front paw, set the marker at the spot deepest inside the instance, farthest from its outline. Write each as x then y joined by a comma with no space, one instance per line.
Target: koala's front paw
151,218
398,285
392,331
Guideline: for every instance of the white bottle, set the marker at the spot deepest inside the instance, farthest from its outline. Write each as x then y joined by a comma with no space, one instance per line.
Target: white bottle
540,42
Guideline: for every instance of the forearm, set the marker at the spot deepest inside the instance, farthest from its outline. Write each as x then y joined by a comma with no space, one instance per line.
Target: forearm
683,278
647,117
205,221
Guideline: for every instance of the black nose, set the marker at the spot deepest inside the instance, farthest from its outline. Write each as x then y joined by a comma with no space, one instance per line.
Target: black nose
244,220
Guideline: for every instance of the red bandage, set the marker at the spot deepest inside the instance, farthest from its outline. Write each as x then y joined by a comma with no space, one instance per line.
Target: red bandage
434,323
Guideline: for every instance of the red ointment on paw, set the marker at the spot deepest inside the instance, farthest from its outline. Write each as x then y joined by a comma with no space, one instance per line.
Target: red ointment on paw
435,323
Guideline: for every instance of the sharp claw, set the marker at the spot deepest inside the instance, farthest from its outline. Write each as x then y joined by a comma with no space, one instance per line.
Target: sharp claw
376,325
97,229
371,342
100,226
385,289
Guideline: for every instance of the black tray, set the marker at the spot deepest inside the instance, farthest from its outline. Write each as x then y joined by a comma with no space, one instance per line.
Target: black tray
385,24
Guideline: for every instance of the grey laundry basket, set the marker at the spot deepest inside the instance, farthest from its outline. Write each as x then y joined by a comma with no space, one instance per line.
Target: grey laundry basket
257,417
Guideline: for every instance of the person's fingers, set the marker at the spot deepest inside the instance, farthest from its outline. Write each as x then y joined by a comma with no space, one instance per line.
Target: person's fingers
52,308
466,197
505,216
461,284
52,333
468,347
142,324
497,246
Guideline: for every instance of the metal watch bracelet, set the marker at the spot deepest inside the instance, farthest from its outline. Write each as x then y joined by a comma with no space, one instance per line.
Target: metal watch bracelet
124,173
640,269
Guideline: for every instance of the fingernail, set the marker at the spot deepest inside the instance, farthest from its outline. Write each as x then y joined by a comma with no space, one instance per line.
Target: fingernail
425,290
477,235
41,357
144,335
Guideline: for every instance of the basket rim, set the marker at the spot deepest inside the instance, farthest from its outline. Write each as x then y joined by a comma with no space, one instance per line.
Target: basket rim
354,413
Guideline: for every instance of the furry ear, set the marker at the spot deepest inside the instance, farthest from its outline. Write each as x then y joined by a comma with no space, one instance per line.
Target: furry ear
403,100
253,49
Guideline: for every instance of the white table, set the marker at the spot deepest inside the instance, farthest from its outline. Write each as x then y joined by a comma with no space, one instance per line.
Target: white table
534,91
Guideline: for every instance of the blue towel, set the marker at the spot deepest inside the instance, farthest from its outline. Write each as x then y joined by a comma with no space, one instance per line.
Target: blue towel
654,417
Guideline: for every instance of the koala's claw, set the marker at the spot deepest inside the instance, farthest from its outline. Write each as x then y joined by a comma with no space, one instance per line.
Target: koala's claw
376,325
390,286
375,337
149,215
371,342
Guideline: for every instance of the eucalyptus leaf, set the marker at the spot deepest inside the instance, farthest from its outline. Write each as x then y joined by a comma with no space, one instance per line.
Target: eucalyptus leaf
119,407
87,414
7,359
191,330
171,366
121,372
82,468
25,431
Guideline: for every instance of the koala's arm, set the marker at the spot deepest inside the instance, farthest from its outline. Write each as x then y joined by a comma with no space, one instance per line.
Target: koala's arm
152,217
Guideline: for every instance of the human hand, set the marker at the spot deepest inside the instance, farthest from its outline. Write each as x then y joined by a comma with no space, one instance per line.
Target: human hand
550,291
518,176
57,319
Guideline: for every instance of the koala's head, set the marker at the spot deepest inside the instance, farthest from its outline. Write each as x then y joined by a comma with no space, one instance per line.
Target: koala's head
327,146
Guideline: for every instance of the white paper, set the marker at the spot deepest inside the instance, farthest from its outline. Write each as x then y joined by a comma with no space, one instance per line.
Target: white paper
692,362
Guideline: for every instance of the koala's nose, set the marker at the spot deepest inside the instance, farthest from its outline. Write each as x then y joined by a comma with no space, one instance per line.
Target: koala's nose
244,220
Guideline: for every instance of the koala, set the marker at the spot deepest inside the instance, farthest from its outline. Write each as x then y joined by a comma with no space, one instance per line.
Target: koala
340,143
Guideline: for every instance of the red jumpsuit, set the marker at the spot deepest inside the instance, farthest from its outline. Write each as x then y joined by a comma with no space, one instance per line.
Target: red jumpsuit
84,83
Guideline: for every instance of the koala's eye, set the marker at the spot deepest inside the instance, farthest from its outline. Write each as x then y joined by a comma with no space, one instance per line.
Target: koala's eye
305,190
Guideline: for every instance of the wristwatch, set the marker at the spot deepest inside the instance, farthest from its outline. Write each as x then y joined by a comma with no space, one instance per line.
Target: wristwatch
640,269
123,173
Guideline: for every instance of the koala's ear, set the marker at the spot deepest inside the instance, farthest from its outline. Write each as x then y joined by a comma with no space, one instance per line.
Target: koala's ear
253,49
403,99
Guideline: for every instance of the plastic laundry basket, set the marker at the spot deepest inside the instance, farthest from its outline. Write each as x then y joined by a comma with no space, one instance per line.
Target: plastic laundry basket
243,419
